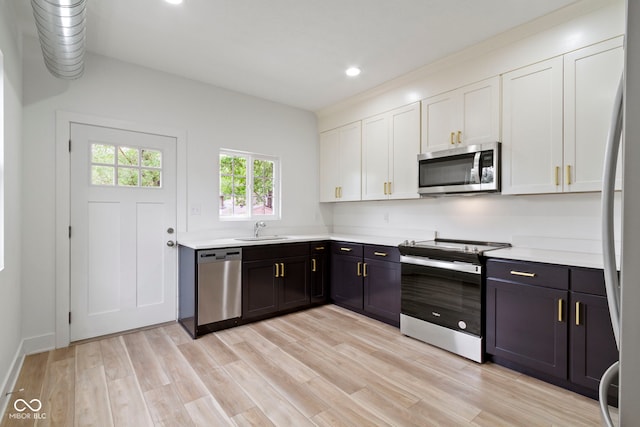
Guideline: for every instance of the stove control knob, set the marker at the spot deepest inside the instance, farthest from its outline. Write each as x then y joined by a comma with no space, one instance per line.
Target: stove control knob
413,243
475,249
462,324
466,248
405,243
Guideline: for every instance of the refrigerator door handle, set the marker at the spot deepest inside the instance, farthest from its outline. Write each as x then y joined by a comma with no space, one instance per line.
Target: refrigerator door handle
608,243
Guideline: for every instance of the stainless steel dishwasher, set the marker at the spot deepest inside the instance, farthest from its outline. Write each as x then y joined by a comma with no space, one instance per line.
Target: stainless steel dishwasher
219,285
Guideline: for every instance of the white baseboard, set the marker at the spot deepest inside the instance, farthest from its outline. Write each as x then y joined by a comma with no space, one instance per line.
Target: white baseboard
28,346
9,382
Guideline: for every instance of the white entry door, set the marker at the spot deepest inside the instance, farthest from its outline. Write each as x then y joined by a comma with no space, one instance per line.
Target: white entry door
123,216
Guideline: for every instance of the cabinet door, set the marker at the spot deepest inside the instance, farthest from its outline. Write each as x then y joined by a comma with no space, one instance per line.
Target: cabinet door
591,78
480,120
259,288
593,346
527,325
346,281
404,149
329,166
349,158
532,129
440,121
375,157
382,290
294,283
319,272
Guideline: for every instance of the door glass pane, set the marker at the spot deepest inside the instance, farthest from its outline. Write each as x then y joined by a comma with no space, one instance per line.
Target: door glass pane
151,158
103,153
102,175
128,177
151,178
127,156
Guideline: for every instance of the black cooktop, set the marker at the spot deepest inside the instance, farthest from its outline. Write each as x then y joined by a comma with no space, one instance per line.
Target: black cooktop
450,249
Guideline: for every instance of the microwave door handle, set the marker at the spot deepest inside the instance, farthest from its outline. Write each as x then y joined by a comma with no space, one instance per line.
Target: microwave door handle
475,171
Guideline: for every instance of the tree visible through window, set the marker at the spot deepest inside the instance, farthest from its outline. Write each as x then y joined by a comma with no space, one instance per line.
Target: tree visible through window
247,185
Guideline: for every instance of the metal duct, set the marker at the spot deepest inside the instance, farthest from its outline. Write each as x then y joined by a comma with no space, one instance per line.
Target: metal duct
61,29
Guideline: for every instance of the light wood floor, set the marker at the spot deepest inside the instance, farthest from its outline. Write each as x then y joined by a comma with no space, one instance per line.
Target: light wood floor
325,366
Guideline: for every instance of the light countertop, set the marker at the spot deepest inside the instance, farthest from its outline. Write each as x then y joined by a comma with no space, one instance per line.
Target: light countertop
578,259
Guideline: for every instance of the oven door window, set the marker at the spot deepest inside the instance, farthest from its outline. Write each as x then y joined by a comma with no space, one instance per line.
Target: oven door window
447,298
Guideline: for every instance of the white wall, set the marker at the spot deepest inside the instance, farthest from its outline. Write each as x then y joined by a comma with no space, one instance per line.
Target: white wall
10,289
211,117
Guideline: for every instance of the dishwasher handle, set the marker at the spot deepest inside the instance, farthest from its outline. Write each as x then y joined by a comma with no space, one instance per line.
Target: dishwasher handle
219,255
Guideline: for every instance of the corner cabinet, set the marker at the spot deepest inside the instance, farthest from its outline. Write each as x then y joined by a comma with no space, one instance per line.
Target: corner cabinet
340,163
464,116
549,321
390,146
366,279
555,119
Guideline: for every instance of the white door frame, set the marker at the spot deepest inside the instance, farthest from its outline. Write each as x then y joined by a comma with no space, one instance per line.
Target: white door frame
63,200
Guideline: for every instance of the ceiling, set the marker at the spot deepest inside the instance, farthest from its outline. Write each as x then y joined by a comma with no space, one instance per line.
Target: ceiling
294,51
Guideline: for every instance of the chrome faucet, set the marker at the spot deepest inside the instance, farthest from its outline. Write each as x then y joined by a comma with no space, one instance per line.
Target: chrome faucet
257,227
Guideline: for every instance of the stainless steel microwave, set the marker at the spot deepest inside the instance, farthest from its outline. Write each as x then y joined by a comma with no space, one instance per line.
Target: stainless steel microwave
469,169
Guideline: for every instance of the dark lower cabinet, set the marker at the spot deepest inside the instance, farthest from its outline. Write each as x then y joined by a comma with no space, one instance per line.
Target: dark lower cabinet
526,325
366,279
551,322
319,258
275,278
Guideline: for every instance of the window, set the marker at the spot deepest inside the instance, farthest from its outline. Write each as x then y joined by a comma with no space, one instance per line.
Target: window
248,185
120,166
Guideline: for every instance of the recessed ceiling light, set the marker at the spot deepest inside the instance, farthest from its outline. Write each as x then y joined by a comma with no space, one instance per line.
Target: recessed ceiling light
352,71
174,1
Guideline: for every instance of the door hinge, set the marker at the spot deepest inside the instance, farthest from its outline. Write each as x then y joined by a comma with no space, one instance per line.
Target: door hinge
69,145
69,317
69,231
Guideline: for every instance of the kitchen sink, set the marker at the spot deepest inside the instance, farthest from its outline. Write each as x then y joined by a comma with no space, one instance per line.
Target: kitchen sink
261,238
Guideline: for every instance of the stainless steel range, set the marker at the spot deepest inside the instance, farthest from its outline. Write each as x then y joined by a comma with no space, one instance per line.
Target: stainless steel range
442,293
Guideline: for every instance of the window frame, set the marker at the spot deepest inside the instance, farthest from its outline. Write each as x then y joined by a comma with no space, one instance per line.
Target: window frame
276,197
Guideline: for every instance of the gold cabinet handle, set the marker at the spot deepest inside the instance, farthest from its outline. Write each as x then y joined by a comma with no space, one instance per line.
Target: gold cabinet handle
313,265
577,313
359,269
335,192
380,253
319,248
568,174
340,192
385,189
389,188
277,270
459,136
282,269
451,138
346,249
364,270
522,273
557,175
560,309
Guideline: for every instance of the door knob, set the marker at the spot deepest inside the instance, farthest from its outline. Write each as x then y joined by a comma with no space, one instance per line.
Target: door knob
171,243
170,230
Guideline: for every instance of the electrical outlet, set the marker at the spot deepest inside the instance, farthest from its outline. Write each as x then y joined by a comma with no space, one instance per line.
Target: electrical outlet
196,209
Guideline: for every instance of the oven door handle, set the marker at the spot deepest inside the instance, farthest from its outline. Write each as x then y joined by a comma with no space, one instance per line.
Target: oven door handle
464,267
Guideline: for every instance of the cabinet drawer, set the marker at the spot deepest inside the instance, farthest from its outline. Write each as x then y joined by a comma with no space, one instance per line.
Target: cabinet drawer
588,281
316,248
344,248
382,253
528,273
284,250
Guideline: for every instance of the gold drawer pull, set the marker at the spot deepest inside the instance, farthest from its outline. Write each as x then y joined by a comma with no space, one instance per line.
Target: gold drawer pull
277,270
560,309
578,313
319,248
522,273
359,269
313,265
346,249
380,253
282,269
451,138
364,269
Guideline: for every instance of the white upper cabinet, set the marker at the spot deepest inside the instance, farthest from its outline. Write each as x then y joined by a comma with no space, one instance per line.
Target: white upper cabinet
464,116
591,78
555,118
390,145
532,128
340,157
